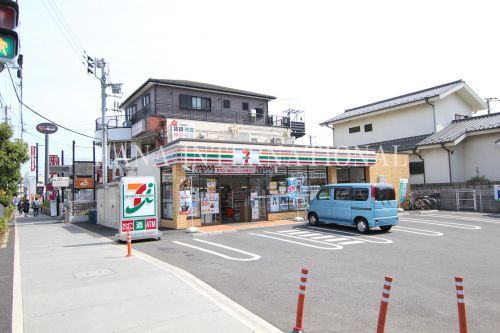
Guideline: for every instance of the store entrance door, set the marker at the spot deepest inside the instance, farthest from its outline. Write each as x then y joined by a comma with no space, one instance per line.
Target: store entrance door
242,199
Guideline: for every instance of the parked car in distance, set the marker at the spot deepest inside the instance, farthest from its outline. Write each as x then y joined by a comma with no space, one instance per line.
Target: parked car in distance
363,206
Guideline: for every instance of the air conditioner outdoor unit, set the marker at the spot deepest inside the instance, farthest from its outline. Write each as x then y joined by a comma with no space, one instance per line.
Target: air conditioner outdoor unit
276,140
253,113
203,135
254,140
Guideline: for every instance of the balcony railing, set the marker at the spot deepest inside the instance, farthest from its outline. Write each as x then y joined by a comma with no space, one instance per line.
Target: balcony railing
113,122
246,117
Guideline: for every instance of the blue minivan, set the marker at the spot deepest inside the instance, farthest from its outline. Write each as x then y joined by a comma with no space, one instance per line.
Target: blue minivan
363,206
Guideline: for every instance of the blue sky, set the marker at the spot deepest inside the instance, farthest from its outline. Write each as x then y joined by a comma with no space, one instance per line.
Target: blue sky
319,56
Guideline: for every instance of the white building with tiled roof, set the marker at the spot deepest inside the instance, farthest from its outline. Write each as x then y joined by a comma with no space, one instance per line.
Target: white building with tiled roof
402,122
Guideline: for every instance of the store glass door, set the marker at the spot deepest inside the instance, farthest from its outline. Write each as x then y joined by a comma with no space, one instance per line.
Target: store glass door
258,193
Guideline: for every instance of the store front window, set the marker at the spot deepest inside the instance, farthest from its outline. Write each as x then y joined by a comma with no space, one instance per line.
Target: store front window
166,193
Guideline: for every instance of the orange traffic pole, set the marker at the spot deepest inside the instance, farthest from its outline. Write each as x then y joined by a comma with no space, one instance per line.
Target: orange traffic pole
129,244
384,304
300,303
462,316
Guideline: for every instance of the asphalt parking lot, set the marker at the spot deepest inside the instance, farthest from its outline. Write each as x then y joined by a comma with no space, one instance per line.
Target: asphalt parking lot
260,269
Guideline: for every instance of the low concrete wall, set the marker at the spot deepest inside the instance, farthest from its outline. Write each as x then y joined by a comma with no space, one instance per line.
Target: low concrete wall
484,195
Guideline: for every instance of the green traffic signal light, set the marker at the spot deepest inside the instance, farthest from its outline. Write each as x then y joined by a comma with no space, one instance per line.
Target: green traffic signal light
7,47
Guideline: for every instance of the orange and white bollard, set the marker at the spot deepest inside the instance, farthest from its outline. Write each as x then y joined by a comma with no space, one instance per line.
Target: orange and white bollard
129,244
384,304
462,316
300,303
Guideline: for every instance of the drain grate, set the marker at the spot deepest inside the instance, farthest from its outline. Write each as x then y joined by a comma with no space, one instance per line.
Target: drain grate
90,274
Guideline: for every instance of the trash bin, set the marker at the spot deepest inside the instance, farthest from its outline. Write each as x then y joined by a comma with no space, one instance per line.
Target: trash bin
245,213
92,216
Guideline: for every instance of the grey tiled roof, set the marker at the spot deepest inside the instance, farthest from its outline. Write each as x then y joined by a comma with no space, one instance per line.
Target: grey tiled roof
403,144
460,127
199,85
396,101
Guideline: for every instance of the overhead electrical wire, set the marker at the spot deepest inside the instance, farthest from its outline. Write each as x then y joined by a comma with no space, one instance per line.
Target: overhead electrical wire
39,114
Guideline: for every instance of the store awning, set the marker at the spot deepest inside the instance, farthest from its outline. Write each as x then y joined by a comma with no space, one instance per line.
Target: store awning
194,151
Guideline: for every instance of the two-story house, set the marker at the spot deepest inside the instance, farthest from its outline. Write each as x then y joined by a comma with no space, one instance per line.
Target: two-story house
223,147
400,123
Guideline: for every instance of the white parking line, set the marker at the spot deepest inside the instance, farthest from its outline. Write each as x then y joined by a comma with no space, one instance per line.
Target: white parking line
336,239
419,231
351,242
472,219
443,224
253,256
321,237
315,234
365,238
331,246
300,232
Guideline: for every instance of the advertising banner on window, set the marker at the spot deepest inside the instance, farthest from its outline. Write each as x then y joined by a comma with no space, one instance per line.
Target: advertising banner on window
186,206
403,189
210,203
292,187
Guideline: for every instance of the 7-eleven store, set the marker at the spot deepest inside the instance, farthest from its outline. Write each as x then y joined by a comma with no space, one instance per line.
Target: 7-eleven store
211,182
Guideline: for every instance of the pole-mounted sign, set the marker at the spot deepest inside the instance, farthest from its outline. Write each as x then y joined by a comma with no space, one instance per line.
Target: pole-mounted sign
46,128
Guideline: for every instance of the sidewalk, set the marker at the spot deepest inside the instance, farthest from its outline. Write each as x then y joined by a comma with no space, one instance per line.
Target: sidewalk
74,281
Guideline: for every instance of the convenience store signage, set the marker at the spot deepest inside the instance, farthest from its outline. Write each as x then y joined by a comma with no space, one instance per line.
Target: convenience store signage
138,206
235,169
181,130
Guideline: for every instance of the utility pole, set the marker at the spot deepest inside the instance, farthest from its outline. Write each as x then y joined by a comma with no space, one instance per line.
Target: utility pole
104,142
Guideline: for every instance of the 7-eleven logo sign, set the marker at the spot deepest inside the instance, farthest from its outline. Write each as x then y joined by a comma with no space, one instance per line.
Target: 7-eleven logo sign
138,199
246,157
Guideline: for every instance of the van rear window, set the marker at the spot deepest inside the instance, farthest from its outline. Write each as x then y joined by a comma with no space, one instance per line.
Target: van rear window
383,193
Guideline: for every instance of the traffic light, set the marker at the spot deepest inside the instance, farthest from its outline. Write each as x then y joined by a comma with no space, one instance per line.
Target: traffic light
9,40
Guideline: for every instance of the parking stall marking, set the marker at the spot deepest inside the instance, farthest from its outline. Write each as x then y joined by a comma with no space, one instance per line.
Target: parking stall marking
351,242
336,239
252,256
365,238
330,246
443,224
466,218
419,231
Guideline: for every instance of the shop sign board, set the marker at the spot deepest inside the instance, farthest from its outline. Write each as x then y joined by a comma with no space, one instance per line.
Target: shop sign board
53,160
60,181
180,129
211,185
138,211
245,156
497,192
39,190
46,128
84,183
235,169
33,158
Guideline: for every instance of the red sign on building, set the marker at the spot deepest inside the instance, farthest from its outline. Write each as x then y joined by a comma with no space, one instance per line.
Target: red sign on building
150,224
127,226
53,160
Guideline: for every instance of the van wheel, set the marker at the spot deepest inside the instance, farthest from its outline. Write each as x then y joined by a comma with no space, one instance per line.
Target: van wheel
386,227
313,219
362,226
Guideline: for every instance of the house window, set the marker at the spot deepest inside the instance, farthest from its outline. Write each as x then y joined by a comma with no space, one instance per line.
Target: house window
460,116
130,111
145,100
416,168
354,129
226,104
188,102
259,113
244,106
368,127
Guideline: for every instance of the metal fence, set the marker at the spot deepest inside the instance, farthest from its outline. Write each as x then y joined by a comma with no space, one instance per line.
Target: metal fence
463,196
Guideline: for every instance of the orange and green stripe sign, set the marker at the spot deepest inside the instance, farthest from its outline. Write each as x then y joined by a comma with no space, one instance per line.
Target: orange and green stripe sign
183,154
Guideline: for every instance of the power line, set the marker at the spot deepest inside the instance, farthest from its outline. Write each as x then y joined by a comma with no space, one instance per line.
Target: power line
79,53
68,27
40,115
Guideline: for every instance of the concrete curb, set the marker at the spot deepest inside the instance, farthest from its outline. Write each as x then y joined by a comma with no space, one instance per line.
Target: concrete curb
403,214
428,211
240,313
213,233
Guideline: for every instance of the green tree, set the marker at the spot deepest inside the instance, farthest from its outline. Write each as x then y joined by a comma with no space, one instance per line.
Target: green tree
13,153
